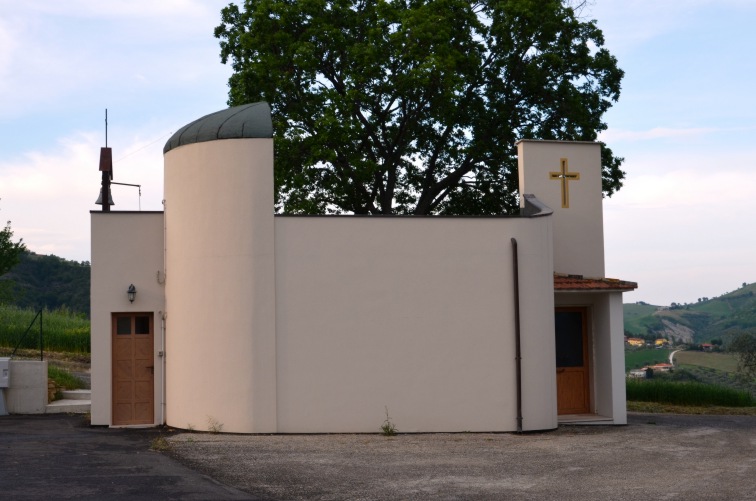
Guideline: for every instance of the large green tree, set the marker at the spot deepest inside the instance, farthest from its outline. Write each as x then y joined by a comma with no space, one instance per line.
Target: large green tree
743,345
414,106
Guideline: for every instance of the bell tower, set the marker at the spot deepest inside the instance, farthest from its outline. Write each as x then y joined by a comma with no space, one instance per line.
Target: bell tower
566,176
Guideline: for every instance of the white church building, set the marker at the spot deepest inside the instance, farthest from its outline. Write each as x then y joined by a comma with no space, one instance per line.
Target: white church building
219,314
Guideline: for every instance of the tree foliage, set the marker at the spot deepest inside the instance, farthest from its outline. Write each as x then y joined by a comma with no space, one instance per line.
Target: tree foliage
743,344
10,256
414,106
10,251
50,282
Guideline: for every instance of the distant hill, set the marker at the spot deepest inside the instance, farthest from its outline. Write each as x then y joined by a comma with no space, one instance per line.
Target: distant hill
50,282
699,322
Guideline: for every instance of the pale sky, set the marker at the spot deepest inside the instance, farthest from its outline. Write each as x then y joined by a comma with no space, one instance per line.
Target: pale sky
682,226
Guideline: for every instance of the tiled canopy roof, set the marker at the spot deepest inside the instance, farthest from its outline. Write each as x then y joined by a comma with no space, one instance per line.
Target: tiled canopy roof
579,283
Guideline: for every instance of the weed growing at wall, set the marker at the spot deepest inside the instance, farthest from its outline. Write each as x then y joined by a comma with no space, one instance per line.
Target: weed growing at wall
213,425
388,428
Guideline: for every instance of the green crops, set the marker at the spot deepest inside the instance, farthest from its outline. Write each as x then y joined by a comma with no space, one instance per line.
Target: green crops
62,330
687,393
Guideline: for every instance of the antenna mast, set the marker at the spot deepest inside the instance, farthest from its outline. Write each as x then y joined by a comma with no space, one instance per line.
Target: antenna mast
106,167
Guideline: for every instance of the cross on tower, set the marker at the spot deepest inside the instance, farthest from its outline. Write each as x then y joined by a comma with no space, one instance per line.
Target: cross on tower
565,176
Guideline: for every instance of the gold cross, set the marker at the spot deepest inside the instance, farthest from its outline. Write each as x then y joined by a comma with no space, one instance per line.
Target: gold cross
565,176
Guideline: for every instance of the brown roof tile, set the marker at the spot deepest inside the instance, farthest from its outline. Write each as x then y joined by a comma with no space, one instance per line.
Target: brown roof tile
564,282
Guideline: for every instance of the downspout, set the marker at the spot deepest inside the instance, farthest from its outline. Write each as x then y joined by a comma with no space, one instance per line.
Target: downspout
518,354
163,316
162,365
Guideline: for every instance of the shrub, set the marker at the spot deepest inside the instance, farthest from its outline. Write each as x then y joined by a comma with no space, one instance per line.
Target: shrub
64,379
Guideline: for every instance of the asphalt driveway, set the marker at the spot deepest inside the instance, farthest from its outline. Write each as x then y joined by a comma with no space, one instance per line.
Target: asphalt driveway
58,456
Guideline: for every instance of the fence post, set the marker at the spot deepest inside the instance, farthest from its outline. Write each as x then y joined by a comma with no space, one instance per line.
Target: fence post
41,338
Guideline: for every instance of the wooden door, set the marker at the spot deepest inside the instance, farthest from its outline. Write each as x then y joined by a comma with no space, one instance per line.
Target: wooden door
573,384
133,369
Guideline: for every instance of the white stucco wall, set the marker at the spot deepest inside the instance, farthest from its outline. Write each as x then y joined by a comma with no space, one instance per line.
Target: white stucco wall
316,324
127,248
607,356
413,314
221,345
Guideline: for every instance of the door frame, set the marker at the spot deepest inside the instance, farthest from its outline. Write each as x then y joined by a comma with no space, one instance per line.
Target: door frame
585,311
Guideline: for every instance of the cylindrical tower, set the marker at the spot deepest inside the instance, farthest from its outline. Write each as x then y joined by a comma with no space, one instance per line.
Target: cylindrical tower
220,282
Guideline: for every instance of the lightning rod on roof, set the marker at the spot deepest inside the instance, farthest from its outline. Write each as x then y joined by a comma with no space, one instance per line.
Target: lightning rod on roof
106,167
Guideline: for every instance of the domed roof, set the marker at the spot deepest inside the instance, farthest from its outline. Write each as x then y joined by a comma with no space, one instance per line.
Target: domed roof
245,121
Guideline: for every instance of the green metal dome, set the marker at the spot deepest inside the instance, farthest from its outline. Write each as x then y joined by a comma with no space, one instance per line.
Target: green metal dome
245,121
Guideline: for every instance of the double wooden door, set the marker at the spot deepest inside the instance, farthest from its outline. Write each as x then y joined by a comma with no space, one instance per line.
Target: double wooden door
573,375
133,368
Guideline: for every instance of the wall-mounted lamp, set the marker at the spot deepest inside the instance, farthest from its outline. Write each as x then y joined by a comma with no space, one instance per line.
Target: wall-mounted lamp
132,293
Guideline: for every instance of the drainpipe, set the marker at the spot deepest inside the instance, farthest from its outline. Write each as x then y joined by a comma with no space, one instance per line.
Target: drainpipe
518,354
162,367
163,316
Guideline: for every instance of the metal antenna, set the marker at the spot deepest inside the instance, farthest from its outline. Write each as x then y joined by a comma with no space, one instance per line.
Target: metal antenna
106,127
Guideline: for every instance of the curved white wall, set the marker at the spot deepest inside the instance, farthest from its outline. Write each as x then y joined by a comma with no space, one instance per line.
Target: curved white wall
220,297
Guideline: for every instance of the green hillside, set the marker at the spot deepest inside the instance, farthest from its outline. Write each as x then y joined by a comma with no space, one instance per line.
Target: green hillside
49,282
640,319
699,322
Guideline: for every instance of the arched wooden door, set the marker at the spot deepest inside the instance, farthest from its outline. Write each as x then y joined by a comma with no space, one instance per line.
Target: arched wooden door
133,369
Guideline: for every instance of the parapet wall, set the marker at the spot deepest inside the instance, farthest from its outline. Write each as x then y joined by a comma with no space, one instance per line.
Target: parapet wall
416,315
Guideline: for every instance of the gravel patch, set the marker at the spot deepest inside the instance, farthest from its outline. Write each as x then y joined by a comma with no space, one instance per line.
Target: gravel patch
654,457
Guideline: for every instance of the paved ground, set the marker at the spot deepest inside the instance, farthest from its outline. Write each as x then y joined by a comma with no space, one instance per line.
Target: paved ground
655,457
58,456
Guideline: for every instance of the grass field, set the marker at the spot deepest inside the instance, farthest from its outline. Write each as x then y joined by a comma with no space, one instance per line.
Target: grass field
720,361
636,359
712,370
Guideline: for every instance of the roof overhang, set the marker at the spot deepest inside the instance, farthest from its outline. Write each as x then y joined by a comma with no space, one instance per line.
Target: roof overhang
579,283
